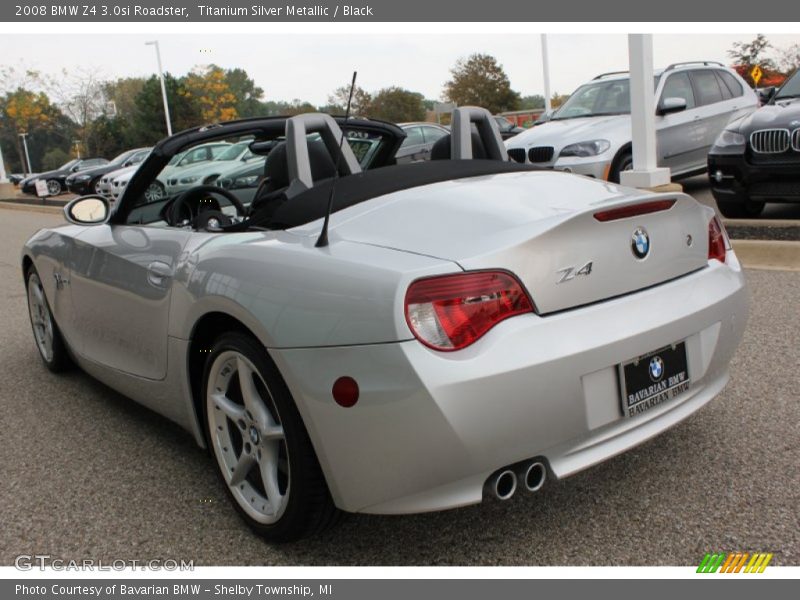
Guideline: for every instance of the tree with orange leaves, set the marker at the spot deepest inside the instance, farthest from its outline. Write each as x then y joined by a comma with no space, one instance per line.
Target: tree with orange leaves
208,88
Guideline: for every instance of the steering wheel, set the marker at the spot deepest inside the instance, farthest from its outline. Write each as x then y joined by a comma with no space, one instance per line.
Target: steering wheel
210,219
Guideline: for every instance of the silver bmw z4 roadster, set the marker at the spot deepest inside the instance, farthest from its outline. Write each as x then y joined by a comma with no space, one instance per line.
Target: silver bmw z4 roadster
347,334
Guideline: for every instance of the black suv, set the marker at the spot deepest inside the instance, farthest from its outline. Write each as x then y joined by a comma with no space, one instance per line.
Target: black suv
756,159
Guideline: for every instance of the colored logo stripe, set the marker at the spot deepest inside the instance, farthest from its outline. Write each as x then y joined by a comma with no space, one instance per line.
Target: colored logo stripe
734,562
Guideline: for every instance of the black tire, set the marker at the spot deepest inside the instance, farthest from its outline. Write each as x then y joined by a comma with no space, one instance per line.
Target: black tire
54,187
623,162
309,508
59,359
740,210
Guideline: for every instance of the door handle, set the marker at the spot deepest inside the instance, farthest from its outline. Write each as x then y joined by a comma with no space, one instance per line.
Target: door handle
158,272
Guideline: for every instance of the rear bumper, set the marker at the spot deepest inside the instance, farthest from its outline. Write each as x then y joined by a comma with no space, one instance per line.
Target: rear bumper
430,427
734,179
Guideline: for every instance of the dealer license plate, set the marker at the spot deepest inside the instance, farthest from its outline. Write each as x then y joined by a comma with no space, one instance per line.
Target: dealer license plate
653,379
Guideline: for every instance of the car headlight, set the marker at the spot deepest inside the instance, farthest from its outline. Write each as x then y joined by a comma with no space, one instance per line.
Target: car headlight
81,178
728,142
245,182
590,148
191,179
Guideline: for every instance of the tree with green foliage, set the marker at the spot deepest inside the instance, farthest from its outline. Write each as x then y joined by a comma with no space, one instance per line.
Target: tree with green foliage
479,80
533,102
360,104
148,120
397,105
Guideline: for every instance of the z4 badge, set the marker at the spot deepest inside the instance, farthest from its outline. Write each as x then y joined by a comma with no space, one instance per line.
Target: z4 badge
569,273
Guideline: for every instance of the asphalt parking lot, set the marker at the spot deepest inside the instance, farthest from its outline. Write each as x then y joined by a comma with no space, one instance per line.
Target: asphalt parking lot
89,474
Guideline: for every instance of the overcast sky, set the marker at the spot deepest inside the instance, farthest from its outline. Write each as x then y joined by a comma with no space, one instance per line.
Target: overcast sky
309,67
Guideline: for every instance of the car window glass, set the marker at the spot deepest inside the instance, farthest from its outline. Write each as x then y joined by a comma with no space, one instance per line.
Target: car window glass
732,83
413,137
215,151
432,134
678,85
723,88
706,86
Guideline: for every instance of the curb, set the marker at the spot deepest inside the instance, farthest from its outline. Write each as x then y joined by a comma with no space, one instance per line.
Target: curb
31,207
768,255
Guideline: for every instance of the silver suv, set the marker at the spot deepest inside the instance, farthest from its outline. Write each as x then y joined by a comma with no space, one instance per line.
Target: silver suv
590,133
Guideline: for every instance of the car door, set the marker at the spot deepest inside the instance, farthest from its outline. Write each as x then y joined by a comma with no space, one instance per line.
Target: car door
121,280
431,135
413,147
713,114
738,104
680,142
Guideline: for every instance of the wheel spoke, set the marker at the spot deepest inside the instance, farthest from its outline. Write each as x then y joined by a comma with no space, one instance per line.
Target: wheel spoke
252,399
242,468
272,432
233,411
269,475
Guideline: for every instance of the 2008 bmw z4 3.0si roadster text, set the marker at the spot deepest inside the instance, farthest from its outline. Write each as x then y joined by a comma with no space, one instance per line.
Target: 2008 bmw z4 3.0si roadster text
347,334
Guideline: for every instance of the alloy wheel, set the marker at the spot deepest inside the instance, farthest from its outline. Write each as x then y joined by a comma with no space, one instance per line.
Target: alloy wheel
41,319
248,438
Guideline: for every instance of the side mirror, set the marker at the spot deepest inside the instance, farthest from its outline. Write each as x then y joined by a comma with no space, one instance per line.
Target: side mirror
87,210
766,94
671,105
75,168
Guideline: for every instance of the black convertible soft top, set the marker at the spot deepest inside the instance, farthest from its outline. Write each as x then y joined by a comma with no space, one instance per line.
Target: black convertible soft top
311,204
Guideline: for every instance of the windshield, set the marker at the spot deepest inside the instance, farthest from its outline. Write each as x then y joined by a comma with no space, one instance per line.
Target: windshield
119,159
233,152
175,159
69,164
791,88
610,97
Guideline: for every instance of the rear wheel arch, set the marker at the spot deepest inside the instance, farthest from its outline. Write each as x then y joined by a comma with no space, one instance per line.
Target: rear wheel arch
27,263
207,329
624,151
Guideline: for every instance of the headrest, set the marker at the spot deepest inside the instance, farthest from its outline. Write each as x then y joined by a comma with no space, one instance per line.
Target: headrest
441,149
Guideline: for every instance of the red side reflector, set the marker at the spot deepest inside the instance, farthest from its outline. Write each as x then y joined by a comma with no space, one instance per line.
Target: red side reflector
634,210
345,391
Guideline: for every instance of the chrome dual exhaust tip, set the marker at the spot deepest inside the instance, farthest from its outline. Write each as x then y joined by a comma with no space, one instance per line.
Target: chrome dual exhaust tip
503,484
533,476
530,475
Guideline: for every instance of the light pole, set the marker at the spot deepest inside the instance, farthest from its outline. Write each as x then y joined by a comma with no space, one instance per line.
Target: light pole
3,178
163,86
28,169
546,71
77,148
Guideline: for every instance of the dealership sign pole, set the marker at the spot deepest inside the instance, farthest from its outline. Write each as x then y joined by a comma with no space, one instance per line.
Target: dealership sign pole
645,173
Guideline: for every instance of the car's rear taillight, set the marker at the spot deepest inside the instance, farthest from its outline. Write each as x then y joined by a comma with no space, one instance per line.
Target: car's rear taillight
450,312
717,244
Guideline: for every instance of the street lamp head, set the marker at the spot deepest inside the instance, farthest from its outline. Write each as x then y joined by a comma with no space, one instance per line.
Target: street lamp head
152,43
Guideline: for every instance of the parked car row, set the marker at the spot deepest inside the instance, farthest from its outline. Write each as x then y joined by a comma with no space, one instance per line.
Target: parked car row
590,134
56,179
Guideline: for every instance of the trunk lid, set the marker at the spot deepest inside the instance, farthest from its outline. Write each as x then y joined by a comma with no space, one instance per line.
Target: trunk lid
541,227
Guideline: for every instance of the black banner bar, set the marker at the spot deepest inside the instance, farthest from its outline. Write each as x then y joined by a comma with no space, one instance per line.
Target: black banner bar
399,11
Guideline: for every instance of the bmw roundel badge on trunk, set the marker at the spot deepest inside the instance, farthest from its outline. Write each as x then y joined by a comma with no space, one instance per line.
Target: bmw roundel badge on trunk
640,243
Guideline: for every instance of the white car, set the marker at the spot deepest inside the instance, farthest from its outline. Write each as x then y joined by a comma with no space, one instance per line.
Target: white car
231,158
590,134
